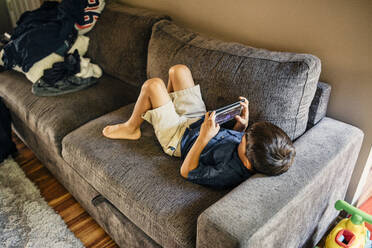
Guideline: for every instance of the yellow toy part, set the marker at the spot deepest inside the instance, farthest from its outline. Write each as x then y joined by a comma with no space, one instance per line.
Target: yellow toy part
350,232
346,234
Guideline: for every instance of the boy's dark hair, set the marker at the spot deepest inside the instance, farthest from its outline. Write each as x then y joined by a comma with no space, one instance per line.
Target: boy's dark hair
269,149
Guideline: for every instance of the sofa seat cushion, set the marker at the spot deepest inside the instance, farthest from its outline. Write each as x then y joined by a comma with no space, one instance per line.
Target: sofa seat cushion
139,179
279,85
51,118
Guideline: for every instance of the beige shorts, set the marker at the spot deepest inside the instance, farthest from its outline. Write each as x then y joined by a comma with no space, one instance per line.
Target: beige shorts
171,120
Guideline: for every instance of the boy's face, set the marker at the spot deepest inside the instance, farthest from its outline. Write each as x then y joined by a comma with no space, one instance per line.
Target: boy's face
241,152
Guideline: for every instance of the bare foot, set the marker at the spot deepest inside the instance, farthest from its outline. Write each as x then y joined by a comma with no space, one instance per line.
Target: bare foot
121,131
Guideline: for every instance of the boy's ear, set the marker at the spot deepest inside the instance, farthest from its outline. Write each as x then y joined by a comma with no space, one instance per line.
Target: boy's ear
242,152
248,164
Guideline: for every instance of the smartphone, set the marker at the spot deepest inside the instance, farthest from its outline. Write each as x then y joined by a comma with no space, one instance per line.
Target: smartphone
228,112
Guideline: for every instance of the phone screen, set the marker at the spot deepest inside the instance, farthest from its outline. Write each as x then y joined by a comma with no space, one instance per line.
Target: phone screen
227,115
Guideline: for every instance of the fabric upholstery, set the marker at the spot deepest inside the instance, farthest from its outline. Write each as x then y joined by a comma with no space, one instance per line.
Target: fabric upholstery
318,108
293,209
279,86
119,227
139,179
51,118
120,39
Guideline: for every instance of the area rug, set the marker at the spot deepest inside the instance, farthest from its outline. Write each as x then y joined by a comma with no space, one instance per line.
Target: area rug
26,220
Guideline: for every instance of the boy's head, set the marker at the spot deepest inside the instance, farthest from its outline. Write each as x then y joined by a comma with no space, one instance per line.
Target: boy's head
269,149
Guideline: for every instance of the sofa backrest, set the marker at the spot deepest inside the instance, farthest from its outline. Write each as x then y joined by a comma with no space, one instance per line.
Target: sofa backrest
119,41
280,86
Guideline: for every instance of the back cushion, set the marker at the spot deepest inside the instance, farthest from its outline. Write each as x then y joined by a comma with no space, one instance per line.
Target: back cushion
279,86
119,41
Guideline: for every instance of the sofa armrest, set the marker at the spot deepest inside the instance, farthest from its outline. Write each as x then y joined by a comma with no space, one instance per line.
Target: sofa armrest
293,209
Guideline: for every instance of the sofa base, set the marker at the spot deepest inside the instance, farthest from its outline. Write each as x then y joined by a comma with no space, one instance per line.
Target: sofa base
119,227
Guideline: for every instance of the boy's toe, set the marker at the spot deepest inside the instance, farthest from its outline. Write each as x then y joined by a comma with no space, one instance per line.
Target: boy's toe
105,131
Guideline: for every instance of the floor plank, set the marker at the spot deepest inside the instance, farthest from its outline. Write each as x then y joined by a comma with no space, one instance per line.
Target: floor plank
76,218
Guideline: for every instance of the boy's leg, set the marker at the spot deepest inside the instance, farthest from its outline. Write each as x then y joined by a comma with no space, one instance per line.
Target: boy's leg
180,78
185,95
153,95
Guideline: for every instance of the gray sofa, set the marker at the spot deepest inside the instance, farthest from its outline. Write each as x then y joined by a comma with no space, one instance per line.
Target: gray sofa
134,191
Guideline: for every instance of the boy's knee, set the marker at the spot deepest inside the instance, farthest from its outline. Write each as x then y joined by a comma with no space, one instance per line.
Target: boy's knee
153,84
180,68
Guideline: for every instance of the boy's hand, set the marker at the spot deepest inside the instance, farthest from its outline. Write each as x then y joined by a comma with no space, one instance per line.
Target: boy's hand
242,119
209,128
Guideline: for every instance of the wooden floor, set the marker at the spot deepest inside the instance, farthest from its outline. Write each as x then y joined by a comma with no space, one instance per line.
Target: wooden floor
77,219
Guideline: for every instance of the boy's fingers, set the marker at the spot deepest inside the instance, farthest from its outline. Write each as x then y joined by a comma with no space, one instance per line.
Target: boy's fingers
245,99
206,116
244,106
238,118
245,109
213,115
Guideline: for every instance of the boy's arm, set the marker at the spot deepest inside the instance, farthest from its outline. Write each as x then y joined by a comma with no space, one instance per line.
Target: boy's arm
208,130
191,161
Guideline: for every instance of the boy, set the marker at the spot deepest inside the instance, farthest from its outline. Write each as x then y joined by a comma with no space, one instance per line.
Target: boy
212,156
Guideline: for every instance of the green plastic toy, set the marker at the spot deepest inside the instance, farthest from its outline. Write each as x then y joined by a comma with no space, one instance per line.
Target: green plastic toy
350,232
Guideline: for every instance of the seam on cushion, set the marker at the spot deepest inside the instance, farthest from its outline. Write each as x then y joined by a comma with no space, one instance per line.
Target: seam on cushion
177,50
237,69
197,34
317,103
182,47
302,98
218,62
